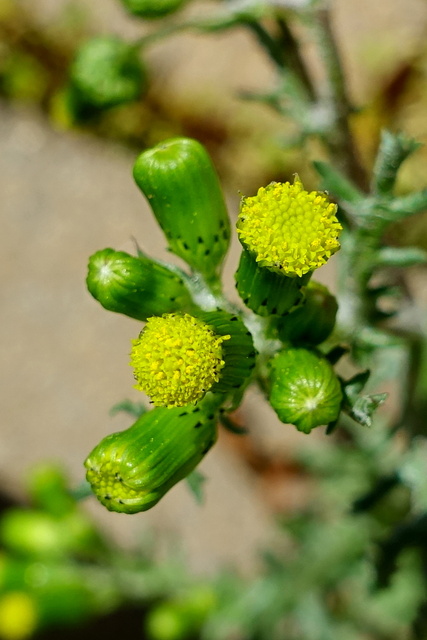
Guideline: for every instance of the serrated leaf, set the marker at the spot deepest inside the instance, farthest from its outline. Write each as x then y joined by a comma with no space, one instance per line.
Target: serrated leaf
408,205
365,406
355,385
400,257
337,183
195,482
135,409
393,150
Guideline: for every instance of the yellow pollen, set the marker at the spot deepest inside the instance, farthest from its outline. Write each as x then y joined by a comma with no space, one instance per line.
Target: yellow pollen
288,229
176,359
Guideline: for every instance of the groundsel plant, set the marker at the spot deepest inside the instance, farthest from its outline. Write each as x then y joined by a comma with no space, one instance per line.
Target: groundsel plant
197,352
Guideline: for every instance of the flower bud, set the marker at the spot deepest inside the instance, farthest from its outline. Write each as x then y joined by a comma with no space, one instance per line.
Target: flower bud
136,287
265,292
287,229
152,8
179,181
313,321
131,470
304,391
107,72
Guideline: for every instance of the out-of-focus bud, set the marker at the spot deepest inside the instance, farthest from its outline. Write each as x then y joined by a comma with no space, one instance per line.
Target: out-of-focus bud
152,8
131,471
48,489
181,185
181,617
107,72
28,532
18,616
313,321
304,391
137,287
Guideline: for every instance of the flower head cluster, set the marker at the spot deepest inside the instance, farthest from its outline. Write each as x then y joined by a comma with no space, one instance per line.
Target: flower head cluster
288,229
176,359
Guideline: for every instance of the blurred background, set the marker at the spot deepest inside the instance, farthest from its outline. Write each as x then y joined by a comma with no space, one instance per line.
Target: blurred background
66,190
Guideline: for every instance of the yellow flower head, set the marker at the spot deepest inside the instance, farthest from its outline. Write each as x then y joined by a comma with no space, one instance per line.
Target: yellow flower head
288,229
176,359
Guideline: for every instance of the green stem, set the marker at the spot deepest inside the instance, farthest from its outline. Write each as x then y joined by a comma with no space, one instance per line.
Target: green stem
82,491
340,142
294,59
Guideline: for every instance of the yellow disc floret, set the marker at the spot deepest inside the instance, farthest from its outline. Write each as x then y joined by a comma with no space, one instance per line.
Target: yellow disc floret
288,229
176,359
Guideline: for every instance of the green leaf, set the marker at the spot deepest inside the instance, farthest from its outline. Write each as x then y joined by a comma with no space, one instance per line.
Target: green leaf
393,150
355,385
337,183
400,257
408,205
364,407
195,482
336,353
134,409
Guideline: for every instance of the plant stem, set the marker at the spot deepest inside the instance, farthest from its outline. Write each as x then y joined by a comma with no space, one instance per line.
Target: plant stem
340,142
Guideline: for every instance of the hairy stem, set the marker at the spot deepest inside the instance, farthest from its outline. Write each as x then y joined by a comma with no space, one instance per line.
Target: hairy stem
341,143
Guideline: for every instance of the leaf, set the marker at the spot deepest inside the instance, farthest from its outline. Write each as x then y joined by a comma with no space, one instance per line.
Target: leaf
365,406
337,183
195,482
135,409
400,257
408,205
336,353
393,150
354,385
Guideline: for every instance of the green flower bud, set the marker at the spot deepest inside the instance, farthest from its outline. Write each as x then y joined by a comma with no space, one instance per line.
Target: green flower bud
136,287
131,470
313,321
265,292
289,230
304,391
179,181
107,72
152,8
178,358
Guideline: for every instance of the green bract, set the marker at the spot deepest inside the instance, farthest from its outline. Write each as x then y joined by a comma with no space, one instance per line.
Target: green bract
304,391
152,8
107,72
131,470
238,350
136,287
179,181
265,292
313,321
